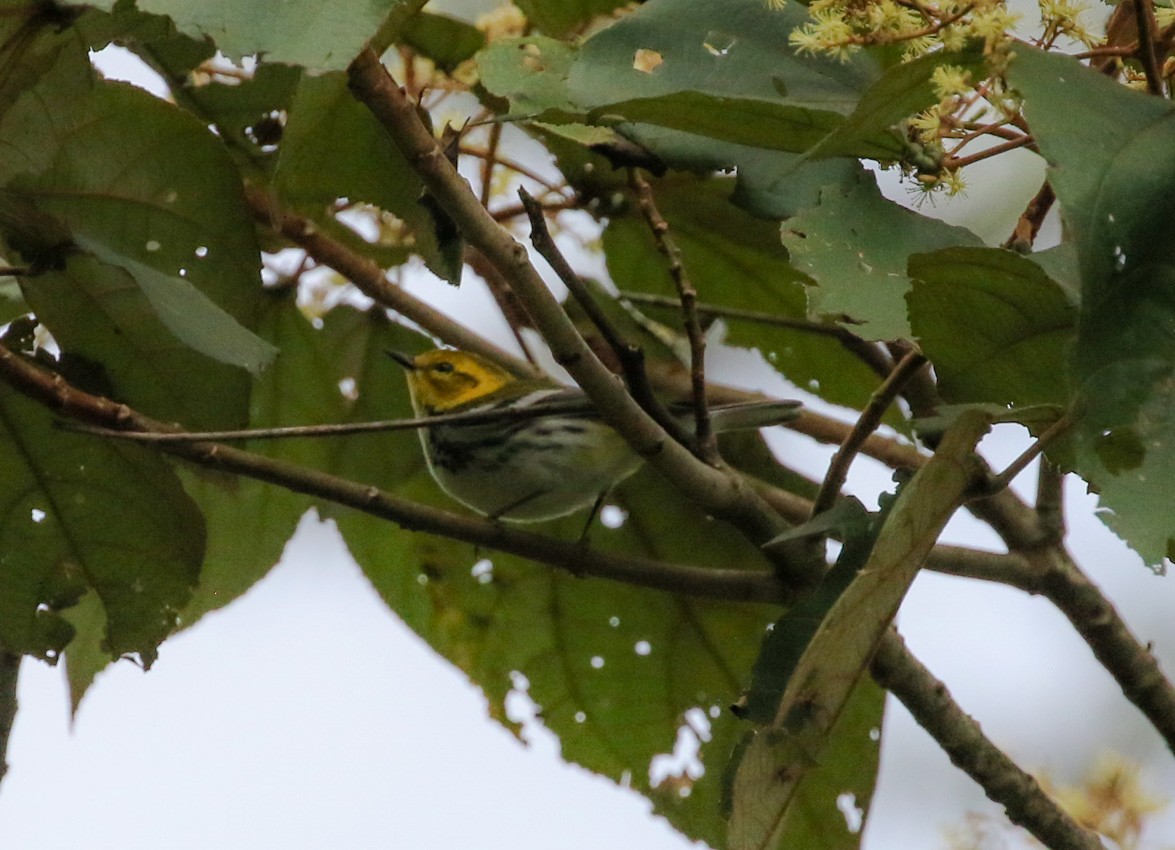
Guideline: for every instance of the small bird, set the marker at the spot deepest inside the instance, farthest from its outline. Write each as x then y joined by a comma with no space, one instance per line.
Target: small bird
549,454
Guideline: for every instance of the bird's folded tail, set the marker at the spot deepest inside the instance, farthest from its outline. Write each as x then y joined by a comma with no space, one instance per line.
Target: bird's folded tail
753,414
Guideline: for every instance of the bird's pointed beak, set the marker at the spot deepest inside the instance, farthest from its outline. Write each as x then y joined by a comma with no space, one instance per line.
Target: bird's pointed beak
405,360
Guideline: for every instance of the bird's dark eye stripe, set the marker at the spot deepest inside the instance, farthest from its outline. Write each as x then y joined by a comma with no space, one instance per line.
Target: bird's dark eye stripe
444,366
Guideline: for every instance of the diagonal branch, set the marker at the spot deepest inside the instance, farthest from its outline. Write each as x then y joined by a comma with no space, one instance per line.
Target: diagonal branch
738,585
1024,801
721,492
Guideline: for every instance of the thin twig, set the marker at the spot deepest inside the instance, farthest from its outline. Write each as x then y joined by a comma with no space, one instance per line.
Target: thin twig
1144,14
869,353
512,311
631,357
738,585
512,211
952,162
371,280
491,157
15,271
927,698
1028,225
707,443
1053,432
870,418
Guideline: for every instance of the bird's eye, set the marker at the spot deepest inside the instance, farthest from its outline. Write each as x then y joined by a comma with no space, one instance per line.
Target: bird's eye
444,367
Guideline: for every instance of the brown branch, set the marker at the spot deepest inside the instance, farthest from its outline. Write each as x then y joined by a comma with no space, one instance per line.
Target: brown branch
514,210
512,311
738,585
1050,435
1050,498
9,668
1028,225
953,162
721,492
961,738
1144,15
371,280
706,442
871,354
867,422
488,162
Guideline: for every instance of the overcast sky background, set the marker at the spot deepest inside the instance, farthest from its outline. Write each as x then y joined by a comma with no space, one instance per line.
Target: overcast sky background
305,715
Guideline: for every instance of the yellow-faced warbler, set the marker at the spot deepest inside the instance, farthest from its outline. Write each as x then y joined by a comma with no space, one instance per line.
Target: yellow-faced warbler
547,454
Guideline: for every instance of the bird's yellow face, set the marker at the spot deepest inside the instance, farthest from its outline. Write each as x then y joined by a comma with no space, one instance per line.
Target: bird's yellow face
442,380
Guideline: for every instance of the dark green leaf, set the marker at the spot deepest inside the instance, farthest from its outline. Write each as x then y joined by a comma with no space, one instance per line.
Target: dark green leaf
562,17
446,41
81,513
995,326
1114,176
334,149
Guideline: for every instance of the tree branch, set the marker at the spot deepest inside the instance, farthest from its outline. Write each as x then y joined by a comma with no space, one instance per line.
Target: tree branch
719,491
1025,803
739,585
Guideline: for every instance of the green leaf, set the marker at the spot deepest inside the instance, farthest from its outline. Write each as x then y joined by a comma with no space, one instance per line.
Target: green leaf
996,327
755,123
317,36
82,513
855,245
822,685
531,73
333,148
561,18
96,311
446,41
1111,167
145,187
614,668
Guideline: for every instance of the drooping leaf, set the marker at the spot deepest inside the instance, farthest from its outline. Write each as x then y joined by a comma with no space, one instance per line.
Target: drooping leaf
855,246
80,514
822,684
995,326
1111,167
